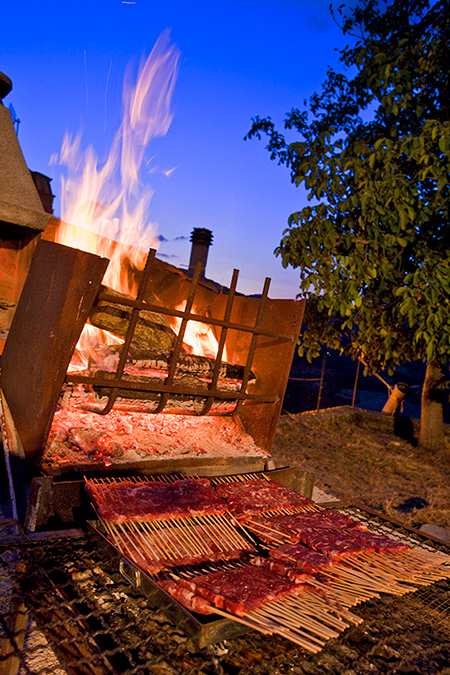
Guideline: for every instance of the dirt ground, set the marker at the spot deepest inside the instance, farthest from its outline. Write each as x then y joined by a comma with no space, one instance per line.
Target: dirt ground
363,457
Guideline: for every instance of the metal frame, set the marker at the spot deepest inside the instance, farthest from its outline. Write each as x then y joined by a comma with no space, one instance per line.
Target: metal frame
169,387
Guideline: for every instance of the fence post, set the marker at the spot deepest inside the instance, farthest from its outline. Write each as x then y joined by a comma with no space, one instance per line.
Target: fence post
355,386
322,374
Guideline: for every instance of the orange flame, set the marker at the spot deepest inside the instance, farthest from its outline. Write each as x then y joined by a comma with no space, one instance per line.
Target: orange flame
108,203
198,338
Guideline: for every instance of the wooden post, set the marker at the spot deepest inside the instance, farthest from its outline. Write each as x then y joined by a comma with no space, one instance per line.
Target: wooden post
322,375
355,386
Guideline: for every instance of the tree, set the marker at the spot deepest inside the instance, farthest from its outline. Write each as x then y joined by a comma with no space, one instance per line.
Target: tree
373,154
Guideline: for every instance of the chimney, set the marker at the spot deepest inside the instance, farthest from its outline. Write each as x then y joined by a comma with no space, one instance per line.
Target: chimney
201,239
44,190
22,217
20,206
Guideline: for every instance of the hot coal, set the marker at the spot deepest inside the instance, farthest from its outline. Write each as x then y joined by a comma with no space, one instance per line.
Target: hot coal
80,437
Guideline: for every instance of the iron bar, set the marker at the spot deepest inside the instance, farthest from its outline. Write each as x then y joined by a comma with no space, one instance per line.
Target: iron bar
135,385
251,351
130,331
179,340
209,320
221,346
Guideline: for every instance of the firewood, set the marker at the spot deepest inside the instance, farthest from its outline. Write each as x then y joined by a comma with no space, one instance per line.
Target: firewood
153,330
87,399
189,364
184,380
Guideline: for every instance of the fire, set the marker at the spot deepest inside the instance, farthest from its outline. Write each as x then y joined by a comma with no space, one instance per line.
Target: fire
199,338
109,203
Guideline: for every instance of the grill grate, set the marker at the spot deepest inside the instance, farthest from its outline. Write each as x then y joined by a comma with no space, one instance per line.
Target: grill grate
63,611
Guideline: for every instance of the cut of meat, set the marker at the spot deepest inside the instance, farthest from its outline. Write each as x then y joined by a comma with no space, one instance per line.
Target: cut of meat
382,544
340,544
287,529
335,543
123,501
329,520
242,589
294,561
284,568
275,530
310,562
245,498
186,597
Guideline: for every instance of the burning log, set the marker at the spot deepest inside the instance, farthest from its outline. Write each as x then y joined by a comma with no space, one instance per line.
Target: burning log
94,399
153,330
189,381
201,366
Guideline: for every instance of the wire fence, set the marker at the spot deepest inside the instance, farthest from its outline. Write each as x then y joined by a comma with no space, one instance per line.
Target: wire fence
334,380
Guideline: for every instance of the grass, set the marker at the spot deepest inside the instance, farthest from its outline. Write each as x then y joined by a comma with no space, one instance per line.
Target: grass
356,455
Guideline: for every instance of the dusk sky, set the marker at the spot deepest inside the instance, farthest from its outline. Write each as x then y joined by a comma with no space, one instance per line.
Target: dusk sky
238,59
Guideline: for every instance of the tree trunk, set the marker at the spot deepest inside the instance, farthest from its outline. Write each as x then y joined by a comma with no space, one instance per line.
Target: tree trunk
432,418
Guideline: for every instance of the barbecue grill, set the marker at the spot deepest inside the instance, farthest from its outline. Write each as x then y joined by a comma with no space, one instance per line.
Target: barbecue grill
77,600
45,329
62,290
66,608
87,643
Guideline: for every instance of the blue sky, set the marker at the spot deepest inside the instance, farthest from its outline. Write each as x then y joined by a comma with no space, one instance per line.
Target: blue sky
67,61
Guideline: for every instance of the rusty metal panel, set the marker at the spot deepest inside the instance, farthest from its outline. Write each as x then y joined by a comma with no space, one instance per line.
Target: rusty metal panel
58,293
271,362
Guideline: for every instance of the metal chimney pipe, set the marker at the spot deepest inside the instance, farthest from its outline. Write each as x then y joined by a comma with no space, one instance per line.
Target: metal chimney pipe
201,239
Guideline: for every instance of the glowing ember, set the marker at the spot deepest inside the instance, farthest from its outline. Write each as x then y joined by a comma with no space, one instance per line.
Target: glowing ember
110,200
81,438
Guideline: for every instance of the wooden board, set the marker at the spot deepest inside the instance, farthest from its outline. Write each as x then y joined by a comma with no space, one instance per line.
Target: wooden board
58,293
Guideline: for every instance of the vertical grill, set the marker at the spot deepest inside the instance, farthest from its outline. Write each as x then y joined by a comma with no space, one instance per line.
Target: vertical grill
46,327
169,386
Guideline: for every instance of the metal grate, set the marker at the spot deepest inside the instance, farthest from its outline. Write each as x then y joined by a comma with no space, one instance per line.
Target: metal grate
64,611
169,385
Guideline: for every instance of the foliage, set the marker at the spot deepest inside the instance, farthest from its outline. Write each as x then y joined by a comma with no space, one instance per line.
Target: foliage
373,153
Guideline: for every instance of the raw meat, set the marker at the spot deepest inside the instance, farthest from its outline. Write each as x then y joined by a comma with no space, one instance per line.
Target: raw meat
327,519
335,543
187,598
382,544
287,529
283,568
245,498
242,589
123,501
306,560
